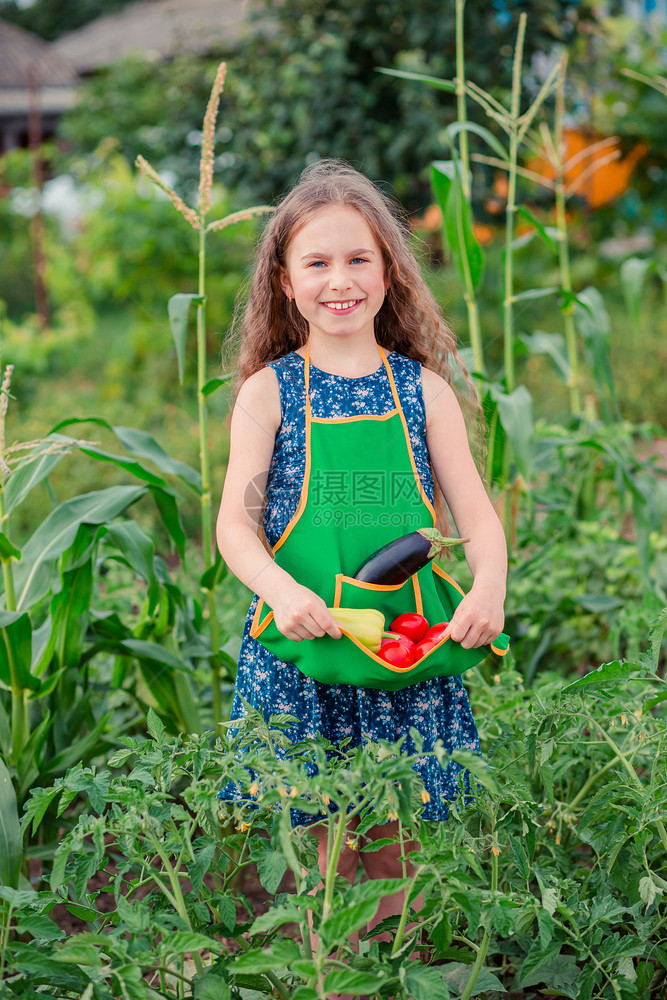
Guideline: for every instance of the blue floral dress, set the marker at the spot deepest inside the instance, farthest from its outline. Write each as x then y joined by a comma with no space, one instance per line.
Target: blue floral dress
438,708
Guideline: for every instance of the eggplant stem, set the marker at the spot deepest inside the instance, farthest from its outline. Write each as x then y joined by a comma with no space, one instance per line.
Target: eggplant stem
438,541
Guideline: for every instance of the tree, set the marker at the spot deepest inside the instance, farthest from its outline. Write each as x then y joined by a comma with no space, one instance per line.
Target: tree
52,18
311,87
305,84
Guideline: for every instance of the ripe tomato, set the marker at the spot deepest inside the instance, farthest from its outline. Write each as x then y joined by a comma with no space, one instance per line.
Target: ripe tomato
424,647
396,654
411,624
436,632
397,637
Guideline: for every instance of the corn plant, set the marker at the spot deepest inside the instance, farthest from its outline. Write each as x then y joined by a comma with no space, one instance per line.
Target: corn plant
57,645
509,407
179,306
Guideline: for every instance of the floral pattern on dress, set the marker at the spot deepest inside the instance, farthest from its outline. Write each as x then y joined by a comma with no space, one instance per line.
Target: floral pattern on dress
439,708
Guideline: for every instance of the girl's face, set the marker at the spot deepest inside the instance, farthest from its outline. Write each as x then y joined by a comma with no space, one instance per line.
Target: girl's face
335,272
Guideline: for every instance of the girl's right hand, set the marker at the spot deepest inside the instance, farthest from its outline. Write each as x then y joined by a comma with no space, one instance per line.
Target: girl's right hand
299,613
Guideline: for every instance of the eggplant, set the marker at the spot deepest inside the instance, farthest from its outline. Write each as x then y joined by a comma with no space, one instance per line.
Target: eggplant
395,562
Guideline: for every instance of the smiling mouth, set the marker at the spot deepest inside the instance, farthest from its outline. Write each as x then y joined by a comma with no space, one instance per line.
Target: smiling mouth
342,306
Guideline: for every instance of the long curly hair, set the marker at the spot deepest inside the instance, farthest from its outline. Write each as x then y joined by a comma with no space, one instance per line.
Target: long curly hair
409,320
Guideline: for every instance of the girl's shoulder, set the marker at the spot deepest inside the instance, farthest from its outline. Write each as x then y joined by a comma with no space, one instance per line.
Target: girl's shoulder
260,396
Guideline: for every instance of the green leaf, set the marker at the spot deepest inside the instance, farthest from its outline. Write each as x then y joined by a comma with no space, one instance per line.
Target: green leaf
142,445
181,942
352,981
79,954
39,926
560,973
70,614
432,81
155,725
216,383
39,801
457,220
515,412
599,603
479,767
656,633
457,974
16,651
178,308
139,550
271,867
633,274
535,293
466,126
543,233
520,858
551,344
130,465
7,549
211,987
210,579
11,839
536,958
607,674
422,983
276,917
277,956
441,935
154,653
171,517
594,326
56,533
337,928
376,889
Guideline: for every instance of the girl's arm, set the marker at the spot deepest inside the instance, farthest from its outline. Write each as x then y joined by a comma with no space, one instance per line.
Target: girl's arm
299,613
479,617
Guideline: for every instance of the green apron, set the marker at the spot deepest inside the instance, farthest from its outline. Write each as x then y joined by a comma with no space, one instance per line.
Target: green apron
361,489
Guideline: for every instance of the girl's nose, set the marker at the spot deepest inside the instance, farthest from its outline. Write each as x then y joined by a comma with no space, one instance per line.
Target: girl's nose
339,278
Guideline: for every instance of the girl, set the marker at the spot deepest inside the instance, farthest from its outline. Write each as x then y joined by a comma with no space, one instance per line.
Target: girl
341,333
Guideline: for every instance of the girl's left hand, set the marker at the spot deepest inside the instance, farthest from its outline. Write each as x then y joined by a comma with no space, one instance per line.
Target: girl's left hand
478,619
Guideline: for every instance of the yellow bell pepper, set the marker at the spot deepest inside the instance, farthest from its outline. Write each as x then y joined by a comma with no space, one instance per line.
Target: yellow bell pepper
365,624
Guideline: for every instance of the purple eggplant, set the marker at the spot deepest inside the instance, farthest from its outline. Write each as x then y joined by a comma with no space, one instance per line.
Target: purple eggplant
398,560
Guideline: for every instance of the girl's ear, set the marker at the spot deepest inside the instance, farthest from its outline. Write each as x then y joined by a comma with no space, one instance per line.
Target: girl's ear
285,284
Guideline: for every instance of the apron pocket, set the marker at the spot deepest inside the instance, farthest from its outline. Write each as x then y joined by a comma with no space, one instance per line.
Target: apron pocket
348,661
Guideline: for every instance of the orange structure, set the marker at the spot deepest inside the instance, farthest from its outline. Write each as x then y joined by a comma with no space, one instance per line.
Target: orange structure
594,168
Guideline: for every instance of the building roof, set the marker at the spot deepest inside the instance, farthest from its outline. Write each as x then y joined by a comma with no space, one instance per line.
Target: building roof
28,62
22,53
158,27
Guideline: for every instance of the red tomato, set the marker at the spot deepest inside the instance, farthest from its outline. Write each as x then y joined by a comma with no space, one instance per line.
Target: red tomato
424,647
396,654
436,632
411,624
397,637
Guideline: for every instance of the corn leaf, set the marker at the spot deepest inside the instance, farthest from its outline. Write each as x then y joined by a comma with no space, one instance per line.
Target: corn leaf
11,840
178,308
141,445
33,575
16,651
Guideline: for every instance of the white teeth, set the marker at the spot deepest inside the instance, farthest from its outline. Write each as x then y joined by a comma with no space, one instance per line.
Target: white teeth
341,305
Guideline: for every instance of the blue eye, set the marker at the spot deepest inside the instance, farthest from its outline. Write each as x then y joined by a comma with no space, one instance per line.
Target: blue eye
360,260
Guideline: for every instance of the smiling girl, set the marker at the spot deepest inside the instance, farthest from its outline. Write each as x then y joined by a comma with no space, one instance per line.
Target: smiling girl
344,371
